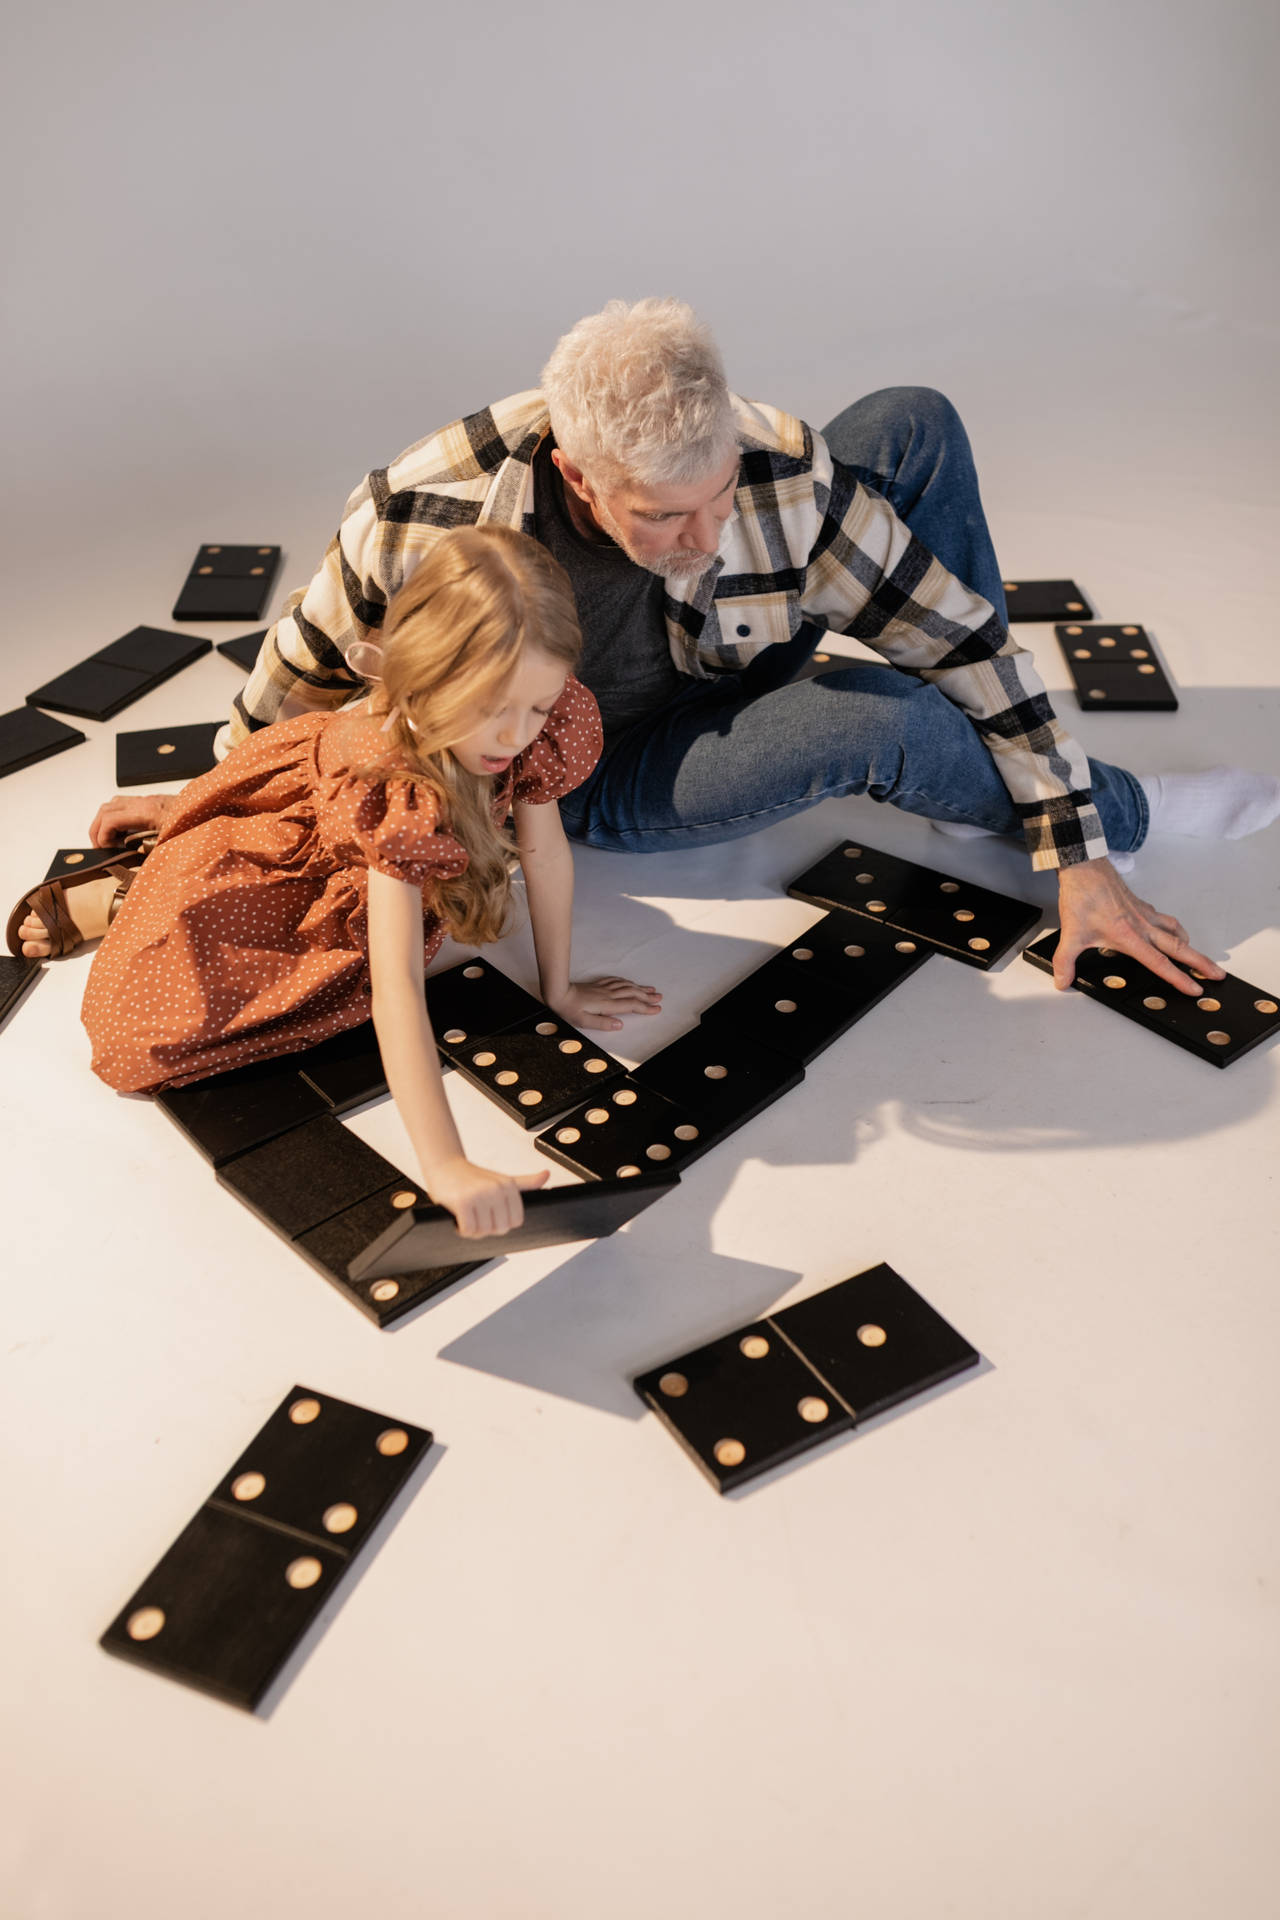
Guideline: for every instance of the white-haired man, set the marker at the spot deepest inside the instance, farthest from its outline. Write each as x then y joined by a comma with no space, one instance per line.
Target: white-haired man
710,540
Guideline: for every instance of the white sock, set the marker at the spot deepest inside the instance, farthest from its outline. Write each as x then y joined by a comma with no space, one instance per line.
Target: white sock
1223,803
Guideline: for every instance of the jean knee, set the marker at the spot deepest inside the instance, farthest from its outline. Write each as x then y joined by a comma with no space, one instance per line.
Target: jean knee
931,415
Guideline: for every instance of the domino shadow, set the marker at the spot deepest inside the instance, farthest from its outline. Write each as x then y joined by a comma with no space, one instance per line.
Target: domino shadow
619,1306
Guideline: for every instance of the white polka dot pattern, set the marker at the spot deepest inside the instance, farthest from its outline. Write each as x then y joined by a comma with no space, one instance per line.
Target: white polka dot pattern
245,934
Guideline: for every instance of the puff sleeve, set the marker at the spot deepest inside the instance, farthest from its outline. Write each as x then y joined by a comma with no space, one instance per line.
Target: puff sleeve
564,753
396,829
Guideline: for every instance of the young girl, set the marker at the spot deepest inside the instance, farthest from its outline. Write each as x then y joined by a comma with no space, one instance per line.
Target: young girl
303,884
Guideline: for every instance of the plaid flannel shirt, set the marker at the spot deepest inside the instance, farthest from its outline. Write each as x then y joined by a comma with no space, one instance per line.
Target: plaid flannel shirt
807,541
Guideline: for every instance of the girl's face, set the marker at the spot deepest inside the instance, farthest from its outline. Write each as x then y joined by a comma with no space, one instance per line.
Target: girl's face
495,735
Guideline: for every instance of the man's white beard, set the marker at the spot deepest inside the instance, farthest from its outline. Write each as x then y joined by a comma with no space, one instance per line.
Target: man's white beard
670,566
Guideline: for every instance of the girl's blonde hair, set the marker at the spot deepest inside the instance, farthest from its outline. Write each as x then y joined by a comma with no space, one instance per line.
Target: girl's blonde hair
451,639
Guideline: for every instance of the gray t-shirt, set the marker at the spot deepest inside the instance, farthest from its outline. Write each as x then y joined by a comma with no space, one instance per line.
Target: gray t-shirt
626,661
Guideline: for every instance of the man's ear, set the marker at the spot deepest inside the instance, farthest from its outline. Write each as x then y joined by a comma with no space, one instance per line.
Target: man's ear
571,475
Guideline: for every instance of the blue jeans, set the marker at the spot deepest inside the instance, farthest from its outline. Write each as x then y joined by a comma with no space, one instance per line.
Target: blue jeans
729,756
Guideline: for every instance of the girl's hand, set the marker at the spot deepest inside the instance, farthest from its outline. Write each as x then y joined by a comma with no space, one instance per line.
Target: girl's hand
598,1003
480,1200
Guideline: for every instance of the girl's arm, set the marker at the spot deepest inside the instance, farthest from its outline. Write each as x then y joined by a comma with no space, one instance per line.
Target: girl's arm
480,1200
547,860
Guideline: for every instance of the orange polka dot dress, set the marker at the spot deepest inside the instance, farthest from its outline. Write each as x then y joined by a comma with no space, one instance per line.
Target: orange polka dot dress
245,933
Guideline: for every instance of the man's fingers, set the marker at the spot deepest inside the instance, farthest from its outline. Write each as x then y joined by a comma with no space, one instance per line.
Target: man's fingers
103,831
1181,949
1156,962
1064,962
1165,970
122,814
527,1182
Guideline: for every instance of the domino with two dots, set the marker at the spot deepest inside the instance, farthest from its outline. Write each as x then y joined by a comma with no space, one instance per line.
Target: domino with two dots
1045,600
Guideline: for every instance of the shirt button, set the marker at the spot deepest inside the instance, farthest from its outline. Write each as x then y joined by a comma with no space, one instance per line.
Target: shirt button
743,632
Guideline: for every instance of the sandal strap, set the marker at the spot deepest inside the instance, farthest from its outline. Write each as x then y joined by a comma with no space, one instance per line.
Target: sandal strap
49,902
124,882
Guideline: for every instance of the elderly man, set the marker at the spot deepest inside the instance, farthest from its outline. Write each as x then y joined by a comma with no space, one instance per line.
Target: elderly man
710,541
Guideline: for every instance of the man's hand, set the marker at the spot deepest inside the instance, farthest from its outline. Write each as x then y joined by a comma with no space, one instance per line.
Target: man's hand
1098,910
130,813
599,1003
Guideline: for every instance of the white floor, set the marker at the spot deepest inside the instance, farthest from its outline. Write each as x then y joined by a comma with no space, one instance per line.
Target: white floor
1012,1652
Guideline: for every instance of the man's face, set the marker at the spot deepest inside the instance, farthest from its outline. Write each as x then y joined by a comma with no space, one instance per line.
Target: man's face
673,531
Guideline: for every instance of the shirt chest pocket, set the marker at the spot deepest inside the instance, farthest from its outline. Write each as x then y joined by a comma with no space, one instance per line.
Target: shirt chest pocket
739,625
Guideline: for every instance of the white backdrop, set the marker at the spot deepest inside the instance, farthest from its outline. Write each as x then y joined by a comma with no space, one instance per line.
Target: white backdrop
254,249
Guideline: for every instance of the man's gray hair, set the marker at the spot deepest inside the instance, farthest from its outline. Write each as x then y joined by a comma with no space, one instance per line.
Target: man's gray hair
638,392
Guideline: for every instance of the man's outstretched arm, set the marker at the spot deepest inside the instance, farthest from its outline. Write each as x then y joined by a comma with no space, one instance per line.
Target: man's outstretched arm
900,600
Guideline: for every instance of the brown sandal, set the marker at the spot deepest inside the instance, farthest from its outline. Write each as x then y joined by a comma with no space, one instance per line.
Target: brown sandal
49,902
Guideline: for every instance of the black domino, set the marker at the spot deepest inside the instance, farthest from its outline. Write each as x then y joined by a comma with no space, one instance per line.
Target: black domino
17,977
815,990
346,1070
965,921
307,1176
790,1009
875,1340
26,735
743,1404
228,583
1115,669
384,1299
71,859
534,1068
629,1130
1045,600
234,1595
232,1113
1227,1020
245,648
474,999
763,1394
723,1078
553,1217
117,675
166,753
